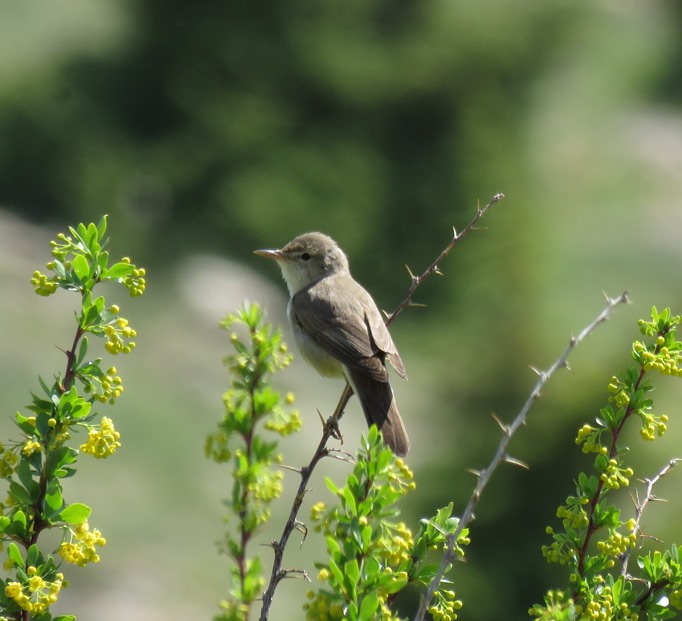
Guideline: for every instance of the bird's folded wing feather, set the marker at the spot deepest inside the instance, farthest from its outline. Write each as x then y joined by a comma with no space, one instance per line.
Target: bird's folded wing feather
350,328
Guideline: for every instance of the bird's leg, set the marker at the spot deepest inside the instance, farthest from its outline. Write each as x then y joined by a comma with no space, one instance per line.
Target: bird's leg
333,421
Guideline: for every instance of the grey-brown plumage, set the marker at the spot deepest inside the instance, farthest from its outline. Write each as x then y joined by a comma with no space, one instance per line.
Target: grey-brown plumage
339,329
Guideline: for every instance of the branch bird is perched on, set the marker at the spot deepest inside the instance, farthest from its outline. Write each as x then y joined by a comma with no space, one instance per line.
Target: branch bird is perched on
339,329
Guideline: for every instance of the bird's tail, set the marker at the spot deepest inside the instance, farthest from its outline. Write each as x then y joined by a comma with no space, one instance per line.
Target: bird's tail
378,404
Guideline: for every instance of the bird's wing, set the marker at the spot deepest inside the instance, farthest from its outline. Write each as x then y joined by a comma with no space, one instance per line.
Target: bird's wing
348,328
382,337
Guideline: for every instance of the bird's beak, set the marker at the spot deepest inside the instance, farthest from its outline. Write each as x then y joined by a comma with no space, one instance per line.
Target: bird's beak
270,254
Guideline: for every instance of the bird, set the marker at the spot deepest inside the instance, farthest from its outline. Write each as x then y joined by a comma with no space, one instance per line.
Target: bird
339,329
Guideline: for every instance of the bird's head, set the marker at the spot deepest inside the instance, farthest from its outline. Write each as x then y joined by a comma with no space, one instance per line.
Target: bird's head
306,259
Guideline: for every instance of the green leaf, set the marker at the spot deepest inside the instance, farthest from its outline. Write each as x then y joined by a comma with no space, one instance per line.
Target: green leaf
33,556
82,351
14,555
352,571
24,473
81,268
118,270
333,547
53,497
426,574
91,236
58,458
369,606
331,486
24,424
336,572
101,231
75,513
19,495
350,501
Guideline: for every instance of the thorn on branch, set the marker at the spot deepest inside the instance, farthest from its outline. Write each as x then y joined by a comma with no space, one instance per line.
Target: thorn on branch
298,573
516,462
321,418
292,468
341,455
505,428
537,371
303,529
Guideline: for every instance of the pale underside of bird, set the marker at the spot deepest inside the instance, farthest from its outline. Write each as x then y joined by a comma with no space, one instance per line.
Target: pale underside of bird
339,329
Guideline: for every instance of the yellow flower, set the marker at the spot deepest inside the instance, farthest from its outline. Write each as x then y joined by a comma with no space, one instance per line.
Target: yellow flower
102,442
81,550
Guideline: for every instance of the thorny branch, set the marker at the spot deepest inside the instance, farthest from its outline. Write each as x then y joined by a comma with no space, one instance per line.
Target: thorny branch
501,455
330,427
640,505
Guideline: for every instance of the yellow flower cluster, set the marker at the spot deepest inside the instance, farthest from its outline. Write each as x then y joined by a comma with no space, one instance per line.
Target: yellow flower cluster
35,595
321,607
8,461
556,602
317,512
401,477
112,386
617,544
135,281
102,442
653,425
42,284
615,477
284,423
588,436
446,606
267,486
81,549
398,545
234,610
115,335
30,446
601,608
573,516
553,553
663,360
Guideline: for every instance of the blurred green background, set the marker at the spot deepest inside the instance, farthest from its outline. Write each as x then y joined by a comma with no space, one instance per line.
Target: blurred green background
207,129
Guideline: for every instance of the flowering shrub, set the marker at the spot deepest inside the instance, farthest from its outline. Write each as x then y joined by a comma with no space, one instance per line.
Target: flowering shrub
595,540
35,466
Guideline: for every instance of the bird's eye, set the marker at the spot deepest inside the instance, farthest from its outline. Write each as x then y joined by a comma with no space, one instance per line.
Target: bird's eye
305,256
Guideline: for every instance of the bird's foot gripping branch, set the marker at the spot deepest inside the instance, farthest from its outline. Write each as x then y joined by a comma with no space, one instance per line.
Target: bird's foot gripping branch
35,466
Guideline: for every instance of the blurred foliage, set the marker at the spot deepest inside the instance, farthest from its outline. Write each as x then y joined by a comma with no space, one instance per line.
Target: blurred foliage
214,124
223,127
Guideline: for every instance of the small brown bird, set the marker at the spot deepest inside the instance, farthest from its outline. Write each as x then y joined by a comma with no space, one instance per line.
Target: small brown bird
339,329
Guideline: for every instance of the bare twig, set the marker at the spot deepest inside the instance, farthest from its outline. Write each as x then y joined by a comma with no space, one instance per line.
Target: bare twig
501,454
641,505
330,427
433,268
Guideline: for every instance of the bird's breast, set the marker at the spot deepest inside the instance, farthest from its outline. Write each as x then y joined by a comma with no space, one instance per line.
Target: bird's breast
313,354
